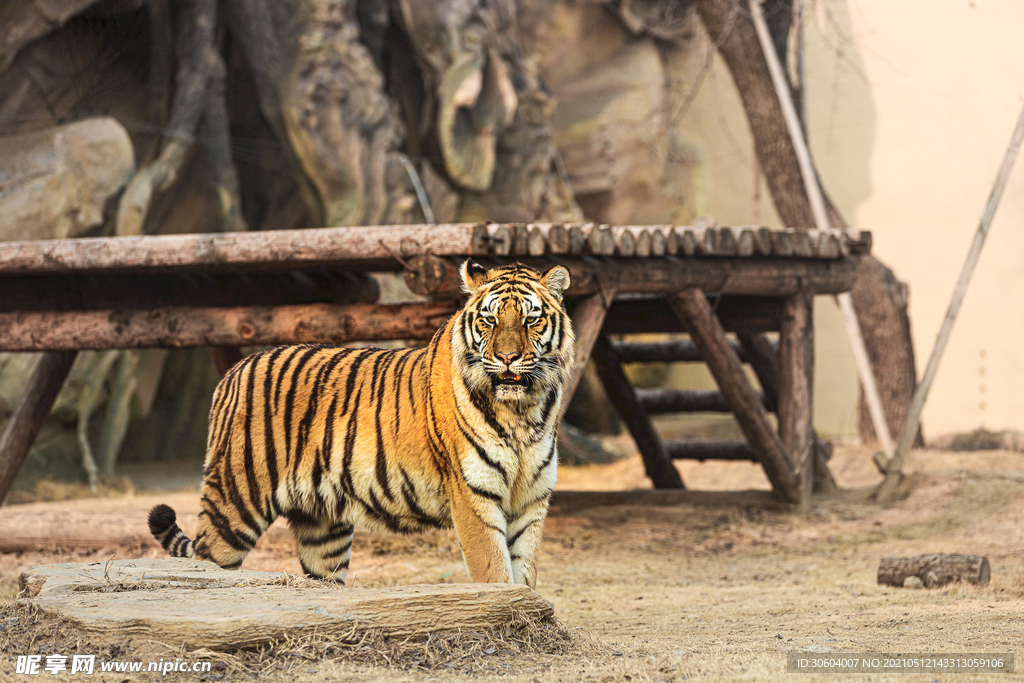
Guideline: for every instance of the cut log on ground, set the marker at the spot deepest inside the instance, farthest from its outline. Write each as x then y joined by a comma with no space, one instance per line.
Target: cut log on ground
197,604
934,570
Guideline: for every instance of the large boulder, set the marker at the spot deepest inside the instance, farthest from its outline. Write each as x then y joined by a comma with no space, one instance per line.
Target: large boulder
55,183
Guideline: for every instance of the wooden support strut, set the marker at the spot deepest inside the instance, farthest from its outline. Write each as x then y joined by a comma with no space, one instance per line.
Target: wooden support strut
28,417
796,361
587,320
763,357
692,307
620,392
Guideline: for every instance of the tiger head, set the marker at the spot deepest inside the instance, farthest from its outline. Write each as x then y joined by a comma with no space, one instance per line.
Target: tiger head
514,339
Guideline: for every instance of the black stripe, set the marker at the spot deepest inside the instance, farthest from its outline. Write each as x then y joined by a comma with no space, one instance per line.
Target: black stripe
289,405
338,552
515,537
252,486
484,493
269,440
547,460
480,451
381,461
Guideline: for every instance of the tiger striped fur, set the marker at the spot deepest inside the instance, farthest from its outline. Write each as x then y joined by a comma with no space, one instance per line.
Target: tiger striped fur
461,432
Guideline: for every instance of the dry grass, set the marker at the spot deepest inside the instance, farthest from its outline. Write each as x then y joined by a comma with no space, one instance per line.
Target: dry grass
668,594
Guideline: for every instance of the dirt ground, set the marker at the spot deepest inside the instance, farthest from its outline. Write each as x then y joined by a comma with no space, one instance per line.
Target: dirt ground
660,593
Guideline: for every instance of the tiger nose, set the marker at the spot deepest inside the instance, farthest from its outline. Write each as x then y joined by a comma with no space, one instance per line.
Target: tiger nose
507,358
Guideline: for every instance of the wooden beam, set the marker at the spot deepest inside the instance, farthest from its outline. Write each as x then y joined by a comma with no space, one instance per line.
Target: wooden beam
796,362
665,400
743,276
692,307
32,411
587,320
670,351
709,449
245,326
621,394
653,314
98,291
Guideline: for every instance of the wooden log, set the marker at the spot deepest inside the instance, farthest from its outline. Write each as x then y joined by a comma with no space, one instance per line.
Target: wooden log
32,411
763,241
643,244
195,604
602,241
558,239
710,449
429,273
664,400
245,326
653,314
578,238
758,277
707,241
659,245
625,242
672,245
824,243
587,320
796,378
94,291
570,502
520,239
671,351
802,247
536,242
362,248
744,240
657,463
501,239
726,242
355,248
782,243
687,241
480,241
934,570
691,306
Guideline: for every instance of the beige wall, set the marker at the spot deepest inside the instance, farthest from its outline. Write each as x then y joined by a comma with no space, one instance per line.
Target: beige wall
911,105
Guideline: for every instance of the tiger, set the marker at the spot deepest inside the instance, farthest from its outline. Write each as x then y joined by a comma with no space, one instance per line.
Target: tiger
461,432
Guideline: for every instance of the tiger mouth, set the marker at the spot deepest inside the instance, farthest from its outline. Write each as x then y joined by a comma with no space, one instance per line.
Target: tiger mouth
511,378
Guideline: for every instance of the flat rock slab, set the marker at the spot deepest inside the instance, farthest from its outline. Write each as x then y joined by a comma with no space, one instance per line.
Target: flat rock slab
197,604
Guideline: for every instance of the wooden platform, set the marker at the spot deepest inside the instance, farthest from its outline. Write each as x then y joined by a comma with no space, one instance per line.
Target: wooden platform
244,289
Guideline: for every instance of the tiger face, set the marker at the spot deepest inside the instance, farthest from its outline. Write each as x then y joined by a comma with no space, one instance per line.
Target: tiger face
516,342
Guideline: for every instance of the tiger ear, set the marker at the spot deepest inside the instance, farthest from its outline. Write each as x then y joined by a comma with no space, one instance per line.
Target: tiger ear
556,280
473,275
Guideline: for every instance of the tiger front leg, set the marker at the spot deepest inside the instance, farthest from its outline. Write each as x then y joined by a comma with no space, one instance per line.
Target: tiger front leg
481,528
525,532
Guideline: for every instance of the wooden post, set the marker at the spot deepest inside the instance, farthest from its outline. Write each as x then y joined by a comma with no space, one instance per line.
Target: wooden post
796,361
620,392
225,357
30,414
692,307
587,320
761,355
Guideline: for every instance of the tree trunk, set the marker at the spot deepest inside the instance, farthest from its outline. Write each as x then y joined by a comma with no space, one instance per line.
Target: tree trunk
883,317
934,570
